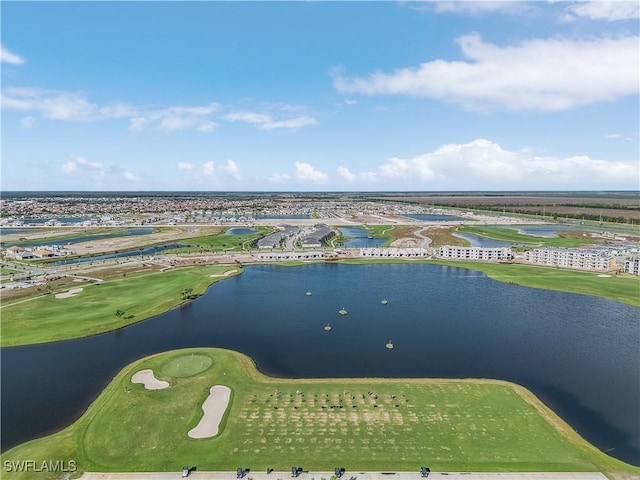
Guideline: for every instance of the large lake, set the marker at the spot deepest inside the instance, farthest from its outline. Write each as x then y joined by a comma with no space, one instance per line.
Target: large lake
579,354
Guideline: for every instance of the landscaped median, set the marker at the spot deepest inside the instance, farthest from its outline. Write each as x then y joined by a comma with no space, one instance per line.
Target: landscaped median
106,306
361,424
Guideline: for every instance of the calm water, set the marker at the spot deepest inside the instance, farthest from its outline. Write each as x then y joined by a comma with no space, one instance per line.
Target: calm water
129,253
478,241
579,354
359,238
240,231
85,238
547,231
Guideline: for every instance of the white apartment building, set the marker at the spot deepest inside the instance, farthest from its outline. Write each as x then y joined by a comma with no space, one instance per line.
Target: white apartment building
632,266
396,252
580,258
475,253
280,256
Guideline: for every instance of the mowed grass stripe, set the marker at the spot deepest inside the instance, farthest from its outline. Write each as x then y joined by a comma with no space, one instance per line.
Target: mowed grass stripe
93,310
362,424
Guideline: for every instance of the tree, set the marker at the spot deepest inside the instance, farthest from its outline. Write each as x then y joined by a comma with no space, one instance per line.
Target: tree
186,293
119,313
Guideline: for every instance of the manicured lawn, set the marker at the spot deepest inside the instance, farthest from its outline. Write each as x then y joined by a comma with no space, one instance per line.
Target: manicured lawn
93,310
622,288
512,235
361,424
221,241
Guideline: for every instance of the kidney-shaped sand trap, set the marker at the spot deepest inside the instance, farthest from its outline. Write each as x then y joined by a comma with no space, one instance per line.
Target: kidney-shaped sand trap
149,381
71,293
213,407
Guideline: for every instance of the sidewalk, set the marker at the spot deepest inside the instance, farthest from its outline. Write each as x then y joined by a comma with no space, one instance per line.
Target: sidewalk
262,475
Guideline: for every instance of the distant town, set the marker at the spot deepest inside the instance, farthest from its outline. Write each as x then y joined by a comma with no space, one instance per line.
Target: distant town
298,227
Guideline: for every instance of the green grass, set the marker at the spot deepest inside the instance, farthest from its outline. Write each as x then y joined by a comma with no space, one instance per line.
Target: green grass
622,288
513,236
8,271
93,311
221,241
458,425
186,365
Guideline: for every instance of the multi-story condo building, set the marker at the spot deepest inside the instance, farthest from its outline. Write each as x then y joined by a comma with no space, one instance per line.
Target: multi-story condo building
632,266
580,258
475,253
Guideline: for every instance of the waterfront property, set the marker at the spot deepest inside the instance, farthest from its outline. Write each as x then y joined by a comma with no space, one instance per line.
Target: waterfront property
317,237
277,238
632,266
475,253
579,258
291,255
396,252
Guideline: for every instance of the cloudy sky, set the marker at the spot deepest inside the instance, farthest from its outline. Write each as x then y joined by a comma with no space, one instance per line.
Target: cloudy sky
320,96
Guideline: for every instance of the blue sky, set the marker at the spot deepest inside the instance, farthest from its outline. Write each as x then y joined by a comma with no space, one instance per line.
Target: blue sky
320,96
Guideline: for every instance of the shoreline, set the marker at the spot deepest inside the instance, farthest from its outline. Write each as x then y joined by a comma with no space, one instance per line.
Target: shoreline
600,460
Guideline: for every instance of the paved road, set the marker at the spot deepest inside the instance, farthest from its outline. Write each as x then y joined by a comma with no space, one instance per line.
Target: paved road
348,476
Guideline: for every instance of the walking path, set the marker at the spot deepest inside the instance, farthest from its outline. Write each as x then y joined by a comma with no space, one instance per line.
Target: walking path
350,476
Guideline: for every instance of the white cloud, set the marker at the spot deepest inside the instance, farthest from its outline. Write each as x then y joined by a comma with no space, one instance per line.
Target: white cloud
475,7
279,178
265,121
485,165
306,173
50,104
74,106
171,119
6,56
208,172
131,176
345,173
544,75
81,164
231,169
27,123
96,173
603,10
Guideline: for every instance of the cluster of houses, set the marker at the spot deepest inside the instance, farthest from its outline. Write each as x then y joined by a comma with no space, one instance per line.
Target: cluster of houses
33,253
596,259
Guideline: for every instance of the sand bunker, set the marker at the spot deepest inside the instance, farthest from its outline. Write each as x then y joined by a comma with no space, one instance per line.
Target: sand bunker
225,274
604,275
213,407
149,381
71,293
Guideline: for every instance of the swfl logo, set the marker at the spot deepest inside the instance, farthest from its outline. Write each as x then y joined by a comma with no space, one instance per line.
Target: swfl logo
60,466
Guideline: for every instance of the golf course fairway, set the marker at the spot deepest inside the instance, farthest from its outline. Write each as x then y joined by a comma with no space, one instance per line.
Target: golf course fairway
362,424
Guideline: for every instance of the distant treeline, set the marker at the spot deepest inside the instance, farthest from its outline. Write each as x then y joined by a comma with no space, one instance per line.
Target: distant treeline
625,215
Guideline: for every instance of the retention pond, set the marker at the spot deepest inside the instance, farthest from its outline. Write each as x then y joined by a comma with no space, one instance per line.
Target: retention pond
579,354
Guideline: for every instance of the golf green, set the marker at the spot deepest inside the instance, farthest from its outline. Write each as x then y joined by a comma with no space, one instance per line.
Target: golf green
186,365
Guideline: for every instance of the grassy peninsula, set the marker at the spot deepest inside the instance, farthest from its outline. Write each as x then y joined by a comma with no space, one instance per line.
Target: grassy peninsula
362,424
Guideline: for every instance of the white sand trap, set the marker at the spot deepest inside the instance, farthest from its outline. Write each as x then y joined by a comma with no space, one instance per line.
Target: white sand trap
71,293
149,381
213,407
225,274
604,275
